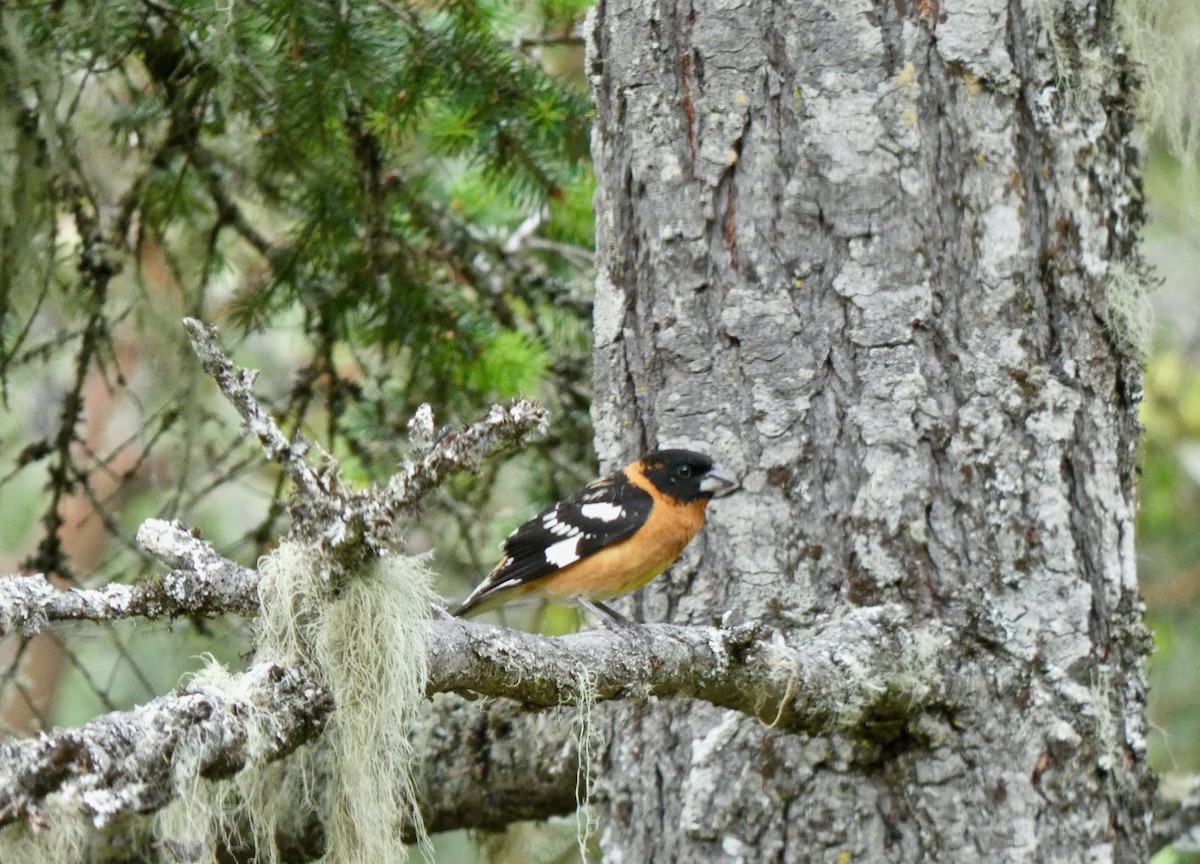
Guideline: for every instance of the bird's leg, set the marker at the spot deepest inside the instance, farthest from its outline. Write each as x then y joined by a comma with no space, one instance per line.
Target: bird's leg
604,614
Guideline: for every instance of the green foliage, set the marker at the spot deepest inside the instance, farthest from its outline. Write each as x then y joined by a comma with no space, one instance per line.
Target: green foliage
1164,36
508,363
1171,855
380,204
1169,547
353,131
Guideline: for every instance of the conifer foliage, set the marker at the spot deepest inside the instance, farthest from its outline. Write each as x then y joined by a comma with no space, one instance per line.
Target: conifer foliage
381,204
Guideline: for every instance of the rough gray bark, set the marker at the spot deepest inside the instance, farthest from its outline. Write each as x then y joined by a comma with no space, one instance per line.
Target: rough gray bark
870,255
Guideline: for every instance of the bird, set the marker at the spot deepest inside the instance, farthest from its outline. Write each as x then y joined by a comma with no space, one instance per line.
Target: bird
609,538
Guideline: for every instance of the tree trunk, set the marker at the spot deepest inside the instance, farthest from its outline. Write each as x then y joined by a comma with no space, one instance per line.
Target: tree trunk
878,258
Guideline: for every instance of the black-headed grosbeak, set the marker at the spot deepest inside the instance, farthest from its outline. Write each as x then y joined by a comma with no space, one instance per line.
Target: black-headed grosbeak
609,538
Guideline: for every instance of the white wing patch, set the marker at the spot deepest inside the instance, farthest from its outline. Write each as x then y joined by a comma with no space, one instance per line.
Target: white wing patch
564,552
602,511
558,529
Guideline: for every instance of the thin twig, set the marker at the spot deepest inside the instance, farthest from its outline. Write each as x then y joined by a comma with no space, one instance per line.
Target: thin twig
236,384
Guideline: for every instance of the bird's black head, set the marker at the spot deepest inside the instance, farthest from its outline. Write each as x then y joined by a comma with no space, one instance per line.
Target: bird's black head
687,476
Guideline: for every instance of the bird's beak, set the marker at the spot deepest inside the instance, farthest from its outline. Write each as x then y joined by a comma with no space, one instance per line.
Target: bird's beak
718,481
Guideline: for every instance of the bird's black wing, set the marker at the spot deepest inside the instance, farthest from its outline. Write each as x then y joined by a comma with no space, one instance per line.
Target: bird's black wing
604,512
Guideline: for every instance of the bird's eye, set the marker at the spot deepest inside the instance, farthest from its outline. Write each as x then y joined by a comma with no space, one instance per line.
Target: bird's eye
685,470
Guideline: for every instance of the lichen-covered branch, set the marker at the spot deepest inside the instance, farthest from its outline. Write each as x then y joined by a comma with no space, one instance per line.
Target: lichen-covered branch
864,674
495,762
504,426
202,583
122,763
867,668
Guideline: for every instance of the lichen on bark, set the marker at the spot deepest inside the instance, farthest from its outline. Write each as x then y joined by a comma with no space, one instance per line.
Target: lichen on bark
863,253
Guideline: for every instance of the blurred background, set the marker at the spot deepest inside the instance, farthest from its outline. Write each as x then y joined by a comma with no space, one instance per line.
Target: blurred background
383,205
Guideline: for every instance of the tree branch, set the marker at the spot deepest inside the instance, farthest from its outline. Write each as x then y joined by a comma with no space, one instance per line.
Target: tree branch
203,583
865,674
501,764
123,762
866,669
505,426
857,670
